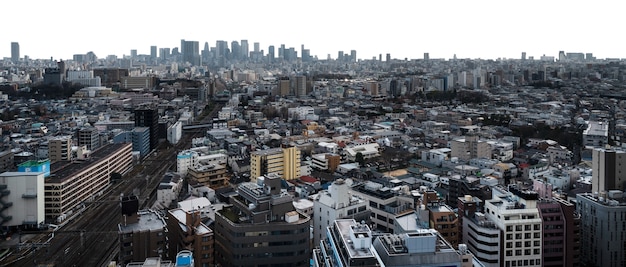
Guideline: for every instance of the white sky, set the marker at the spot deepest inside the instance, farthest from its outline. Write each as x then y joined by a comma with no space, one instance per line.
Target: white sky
403,28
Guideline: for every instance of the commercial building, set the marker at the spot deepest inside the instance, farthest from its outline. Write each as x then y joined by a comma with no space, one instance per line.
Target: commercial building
347,243
561,232
385,204
515,213
603,228
15,52
426,247
284,161
141,140
142,234
336,203
261,227
148,117
72,183
188,232
22,199
608,170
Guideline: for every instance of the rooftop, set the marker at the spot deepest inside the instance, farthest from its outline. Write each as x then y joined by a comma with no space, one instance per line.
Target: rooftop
61,170
148,221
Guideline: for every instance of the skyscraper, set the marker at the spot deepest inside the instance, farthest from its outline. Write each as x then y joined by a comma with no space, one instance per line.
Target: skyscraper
15,52
191,52
353,55
153,53
523,55
270,54
133,53
244,49
148,117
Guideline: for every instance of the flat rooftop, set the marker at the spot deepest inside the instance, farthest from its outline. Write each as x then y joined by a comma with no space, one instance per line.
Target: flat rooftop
344,229
148,221
63,170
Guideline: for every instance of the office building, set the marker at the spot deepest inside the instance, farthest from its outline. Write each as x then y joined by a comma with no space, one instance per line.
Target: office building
191,52
133,53
347,244
385,204
141,140
603,228
561,232
425,247
90,137
153,54
261,227
60,149
22,199
271,54
523,55
244,49
149,117
608,169
284,161
336,203
426,56
187,232
481,235
515,213
15,52
87,177
142,234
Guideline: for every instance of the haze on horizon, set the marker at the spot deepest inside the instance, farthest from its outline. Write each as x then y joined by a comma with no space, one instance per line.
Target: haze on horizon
485,29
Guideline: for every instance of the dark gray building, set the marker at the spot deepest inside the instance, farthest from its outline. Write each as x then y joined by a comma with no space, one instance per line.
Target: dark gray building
89,136
261,227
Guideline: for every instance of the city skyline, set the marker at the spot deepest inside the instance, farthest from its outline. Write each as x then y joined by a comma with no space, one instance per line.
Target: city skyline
485,29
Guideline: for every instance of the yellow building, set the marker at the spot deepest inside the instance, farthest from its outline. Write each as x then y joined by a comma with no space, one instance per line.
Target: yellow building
284,161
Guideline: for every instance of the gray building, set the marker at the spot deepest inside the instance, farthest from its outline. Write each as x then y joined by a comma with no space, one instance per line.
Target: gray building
603,228
15,52
141,140
261,227
90,137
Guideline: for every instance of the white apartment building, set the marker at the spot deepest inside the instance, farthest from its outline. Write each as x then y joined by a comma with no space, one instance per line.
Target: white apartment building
300,113
469,147
596,134
335,203
515,213
22,199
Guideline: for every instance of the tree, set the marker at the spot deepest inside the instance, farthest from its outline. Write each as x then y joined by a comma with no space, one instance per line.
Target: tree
359,158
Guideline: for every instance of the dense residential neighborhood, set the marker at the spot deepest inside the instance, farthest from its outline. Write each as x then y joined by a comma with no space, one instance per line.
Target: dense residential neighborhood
231,157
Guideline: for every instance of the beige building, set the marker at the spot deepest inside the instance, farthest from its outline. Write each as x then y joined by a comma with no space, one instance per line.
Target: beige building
284,161
70,184
60,149
469,147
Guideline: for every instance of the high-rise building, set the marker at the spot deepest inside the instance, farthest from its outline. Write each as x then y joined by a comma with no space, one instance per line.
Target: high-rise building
561,233
261,227
336,203
153,53
516,215
284,86
388,57
244,49
352,55
340,56
148,117
257,47
562,56
602,230
235,50
300,85
133,53
427,56
377,197
164,54
191,52
283,161
608,170
348,244
270,54
15,52
523,55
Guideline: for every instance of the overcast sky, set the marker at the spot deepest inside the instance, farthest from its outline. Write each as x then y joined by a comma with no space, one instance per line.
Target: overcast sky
405,29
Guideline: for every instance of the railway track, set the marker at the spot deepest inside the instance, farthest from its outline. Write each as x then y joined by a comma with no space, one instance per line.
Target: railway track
91,239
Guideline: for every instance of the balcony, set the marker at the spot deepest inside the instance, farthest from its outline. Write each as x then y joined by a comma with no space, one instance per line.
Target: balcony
29,195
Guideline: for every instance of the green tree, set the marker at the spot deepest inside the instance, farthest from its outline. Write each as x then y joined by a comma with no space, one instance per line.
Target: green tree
359,158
